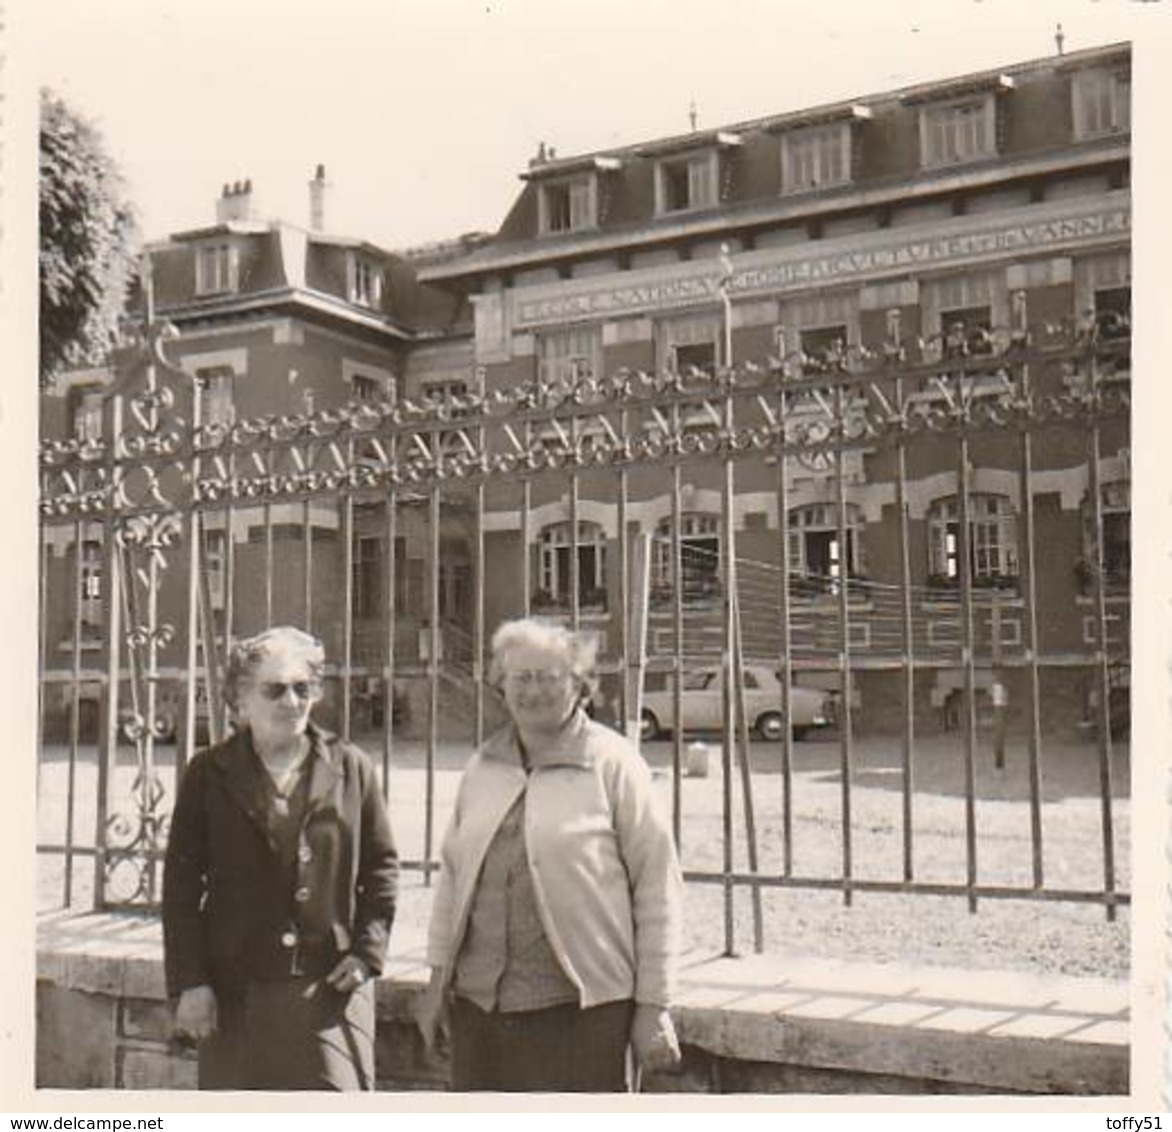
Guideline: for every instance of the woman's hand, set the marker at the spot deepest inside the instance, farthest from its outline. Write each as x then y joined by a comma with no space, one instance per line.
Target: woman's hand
431,1015
195,1015
653,1038
349,974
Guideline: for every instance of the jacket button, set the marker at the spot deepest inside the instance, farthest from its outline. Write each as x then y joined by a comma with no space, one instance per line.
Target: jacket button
305,854
301,895
288,939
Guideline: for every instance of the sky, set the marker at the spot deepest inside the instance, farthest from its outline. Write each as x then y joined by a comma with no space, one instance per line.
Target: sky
424,112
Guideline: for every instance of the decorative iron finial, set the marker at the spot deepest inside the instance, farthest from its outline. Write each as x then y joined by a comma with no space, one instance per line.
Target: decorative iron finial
692,114
1059,38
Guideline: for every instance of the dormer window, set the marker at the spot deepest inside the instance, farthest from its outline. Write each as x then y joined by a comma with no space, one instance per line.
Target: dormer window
961,130
1101,101
570,205
217,268
364,281
686,182
815,158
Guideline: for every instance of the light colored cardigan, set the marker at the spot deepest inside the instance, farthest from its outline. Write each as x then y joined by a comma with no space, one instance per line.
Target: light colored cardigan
605,871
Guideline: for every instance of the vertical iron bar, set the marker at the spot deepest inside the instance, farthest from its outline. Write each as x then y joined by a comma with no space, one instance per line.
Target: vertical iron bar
575,565
624,591
677,612
44,558
478,611
196,591
785,641
432,675
907,623
347,608
1102,663
743,760
112,594
526,512
1029,571
268,522
147,775
391,614
846,734
230,563
729,581
75,712
964,551
307,564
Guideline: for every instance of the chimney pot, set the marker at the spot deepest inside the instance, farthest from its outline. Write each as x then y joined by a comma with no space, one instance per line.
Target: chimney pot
318,189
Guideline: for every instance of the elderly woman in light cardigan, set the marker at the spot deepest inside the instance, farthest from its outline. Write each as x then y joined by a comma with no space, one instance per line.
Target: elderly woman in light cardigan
555,926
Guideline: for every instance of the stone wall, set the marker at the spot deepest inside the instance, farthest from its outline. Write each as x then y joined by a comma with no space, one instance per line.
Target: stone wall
751,1025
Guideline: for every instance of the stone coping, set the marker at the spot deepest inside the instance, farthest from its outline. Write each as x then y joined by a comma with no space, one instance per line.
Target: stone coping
988,1030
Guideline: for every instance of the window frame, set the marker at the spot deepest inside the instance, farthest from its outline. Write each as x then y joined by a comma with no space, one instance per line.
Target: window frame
824,140
821,519
699,169
551,541
932,121
1104,86
217,267
696,527
366,576
990,514
587,209
365,281
215,391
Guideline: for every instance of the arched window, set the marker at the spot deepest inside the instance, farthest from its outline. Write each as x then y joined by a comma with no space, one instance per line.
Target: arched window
814,553
699,556
992,540
555,546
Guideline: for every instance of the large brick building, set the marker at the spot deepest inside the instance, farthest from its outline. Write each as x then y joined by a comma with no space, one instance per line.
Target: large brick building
982,202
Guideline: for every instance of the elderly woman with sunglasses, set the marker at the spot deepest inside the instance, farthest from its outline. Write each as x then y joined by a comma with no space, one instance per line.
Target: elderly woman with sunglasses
556,918
279,886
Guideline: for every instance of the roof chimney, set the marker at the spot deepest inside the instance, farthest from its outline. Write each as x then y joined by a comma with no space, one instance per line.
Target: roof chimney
317,200
235,202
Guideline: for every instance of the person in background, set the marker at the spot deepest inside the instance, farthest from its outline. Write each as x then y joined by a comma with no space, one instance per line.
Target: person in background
555,925
279,886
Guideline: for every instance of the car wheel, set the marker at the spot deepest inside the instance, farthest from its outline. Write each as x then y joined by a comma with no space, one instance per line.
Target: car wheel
648,725
770,726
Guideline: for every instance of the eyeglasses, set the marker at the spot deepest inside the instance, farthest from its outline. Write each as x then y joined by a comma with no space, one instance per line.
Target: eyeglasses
302,689
543,677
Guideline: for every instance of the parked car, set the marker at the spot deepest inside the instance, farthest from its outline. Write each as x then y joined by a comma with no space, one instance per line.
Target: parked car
701,705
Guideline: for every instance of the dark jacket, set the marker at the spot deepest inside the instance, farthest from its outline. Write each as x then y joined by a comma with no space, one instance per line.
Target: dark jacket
228,912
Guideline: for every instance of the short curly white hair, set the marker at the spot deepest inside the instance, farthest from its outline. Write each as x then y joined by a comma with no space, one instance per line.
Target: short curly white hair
579,649
246,654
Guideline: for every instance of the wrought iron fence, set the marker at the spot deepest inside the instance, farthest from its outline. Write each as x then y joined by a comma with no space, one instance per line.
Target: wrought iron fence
401,531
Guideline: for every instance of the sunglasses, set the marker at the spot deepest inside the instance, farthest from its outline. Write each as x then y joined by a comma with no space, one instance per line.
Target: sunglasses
302,689
527,677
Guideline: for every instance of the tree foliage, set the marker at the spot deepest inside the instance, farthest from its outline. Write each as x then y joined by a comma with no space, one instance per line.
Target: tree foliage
88,241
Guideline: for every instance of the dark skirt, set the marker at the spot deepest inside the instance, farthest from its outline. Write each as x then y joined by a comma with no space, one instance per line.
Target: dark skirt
561,1049
286,1034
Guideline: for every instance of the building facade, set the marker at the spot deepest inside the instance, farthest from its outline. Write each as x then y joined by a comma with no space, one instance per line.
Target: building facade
942,217
948,214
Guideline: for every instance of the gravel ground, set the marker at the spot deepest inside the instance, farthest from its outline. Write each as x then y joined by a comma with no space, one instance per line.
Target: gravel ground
1027,935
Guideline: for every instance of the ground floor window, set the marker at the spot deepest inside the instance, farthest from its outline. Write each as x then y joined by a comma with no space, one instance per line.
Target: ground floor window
993,556
556,546
1115,504
91,583
815,557
699,557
